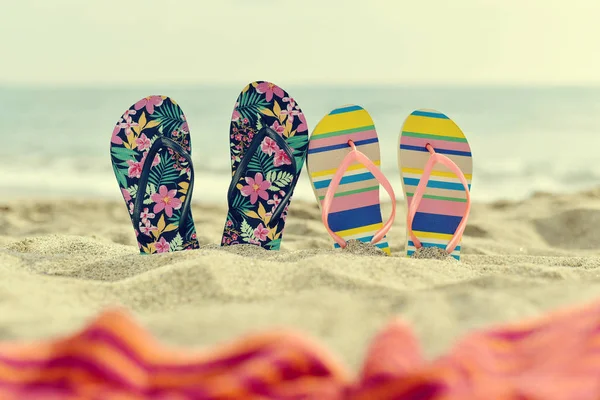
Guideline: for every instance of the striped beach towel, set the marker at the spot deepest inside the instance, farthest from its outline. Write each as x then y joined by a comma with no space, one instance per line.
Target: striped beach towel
444,202
355,211
113,358
550,358
555,357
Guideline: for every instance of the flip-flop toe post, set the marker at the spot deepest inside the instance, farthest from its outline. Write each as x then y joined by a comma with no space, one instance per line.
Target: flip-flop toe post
343,165
151,158
436,167
268,143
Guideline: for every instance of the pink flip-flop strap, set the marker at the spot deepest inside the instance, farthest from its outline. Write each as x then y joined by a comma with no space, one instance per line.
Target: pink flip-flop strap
437,158
356,156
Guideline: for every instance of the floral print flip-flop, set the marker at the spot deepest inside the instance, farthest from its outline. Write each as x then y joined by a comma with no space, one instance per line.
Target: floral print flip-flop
151,157
268,144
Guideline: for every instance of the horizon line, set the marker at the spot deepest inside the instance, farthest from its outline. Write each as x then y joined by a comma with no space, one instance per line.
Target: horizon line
191,85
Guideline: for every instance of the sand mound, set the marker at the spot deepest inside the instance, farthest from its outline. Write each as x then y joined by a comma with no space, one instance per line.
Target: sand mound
62,261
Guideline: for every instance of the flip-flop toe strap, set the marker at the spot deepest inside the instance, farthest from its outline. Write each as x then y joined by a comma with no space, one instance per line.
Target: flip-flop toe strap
161,143
356,156
437,158
241,169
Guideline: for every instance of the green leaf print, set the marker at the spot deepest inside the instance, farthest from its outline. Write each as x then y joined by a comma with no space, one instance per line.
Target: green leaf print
150,190
250,105
163,173
175,218
274,244
121,175
279,180
241,204
247,232
168,115
261,162
297,141
133,191
299,162
177,243
123,154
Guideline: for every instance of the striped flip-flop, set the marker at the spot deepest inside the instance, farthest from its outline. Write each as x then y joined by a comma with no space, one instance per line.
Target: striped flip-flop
436,166
343,160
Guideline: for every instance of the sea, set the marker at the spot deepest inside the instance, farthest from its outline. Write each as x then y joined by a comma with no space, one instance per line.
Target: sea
55,140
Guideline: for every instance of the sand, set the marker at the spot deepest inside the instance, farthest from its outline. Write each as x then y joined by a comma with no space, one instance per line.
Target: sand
62,261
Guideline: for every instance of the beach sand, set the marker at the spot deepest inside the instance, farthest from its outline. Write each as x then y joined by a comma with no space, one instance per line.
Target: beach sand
62,261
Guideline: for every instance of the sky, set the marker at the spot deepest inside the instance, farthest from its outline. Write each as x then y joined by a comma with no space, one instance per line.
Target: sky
349,42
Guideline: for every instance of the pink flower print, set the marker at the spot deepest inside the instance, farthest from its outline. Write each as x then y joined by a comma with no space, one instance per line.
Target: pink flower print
149,102
268,146
285,211
303,125
290,111
146,215
275,201
261,232
269,89
143,142
229,223
135,169
146,228
256,188
236,114
127,113
185,127
162,246
155,162
127,124
116,139
165,200
126,195
131,208
289,100
277,127
281,159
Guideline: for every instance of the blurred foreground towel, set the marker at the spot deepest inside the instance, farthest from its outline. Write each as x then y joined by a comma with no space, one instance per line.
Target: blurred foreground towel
552,358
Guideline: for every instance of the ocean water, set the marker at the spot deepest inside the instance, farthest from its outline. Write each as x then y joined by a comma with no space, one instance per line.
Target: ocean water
55,141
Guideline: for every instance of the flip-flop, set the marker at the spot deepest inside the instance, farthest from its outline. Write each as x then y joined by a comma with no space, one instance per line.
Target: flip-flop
436,167
268,143
343,154
151,157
